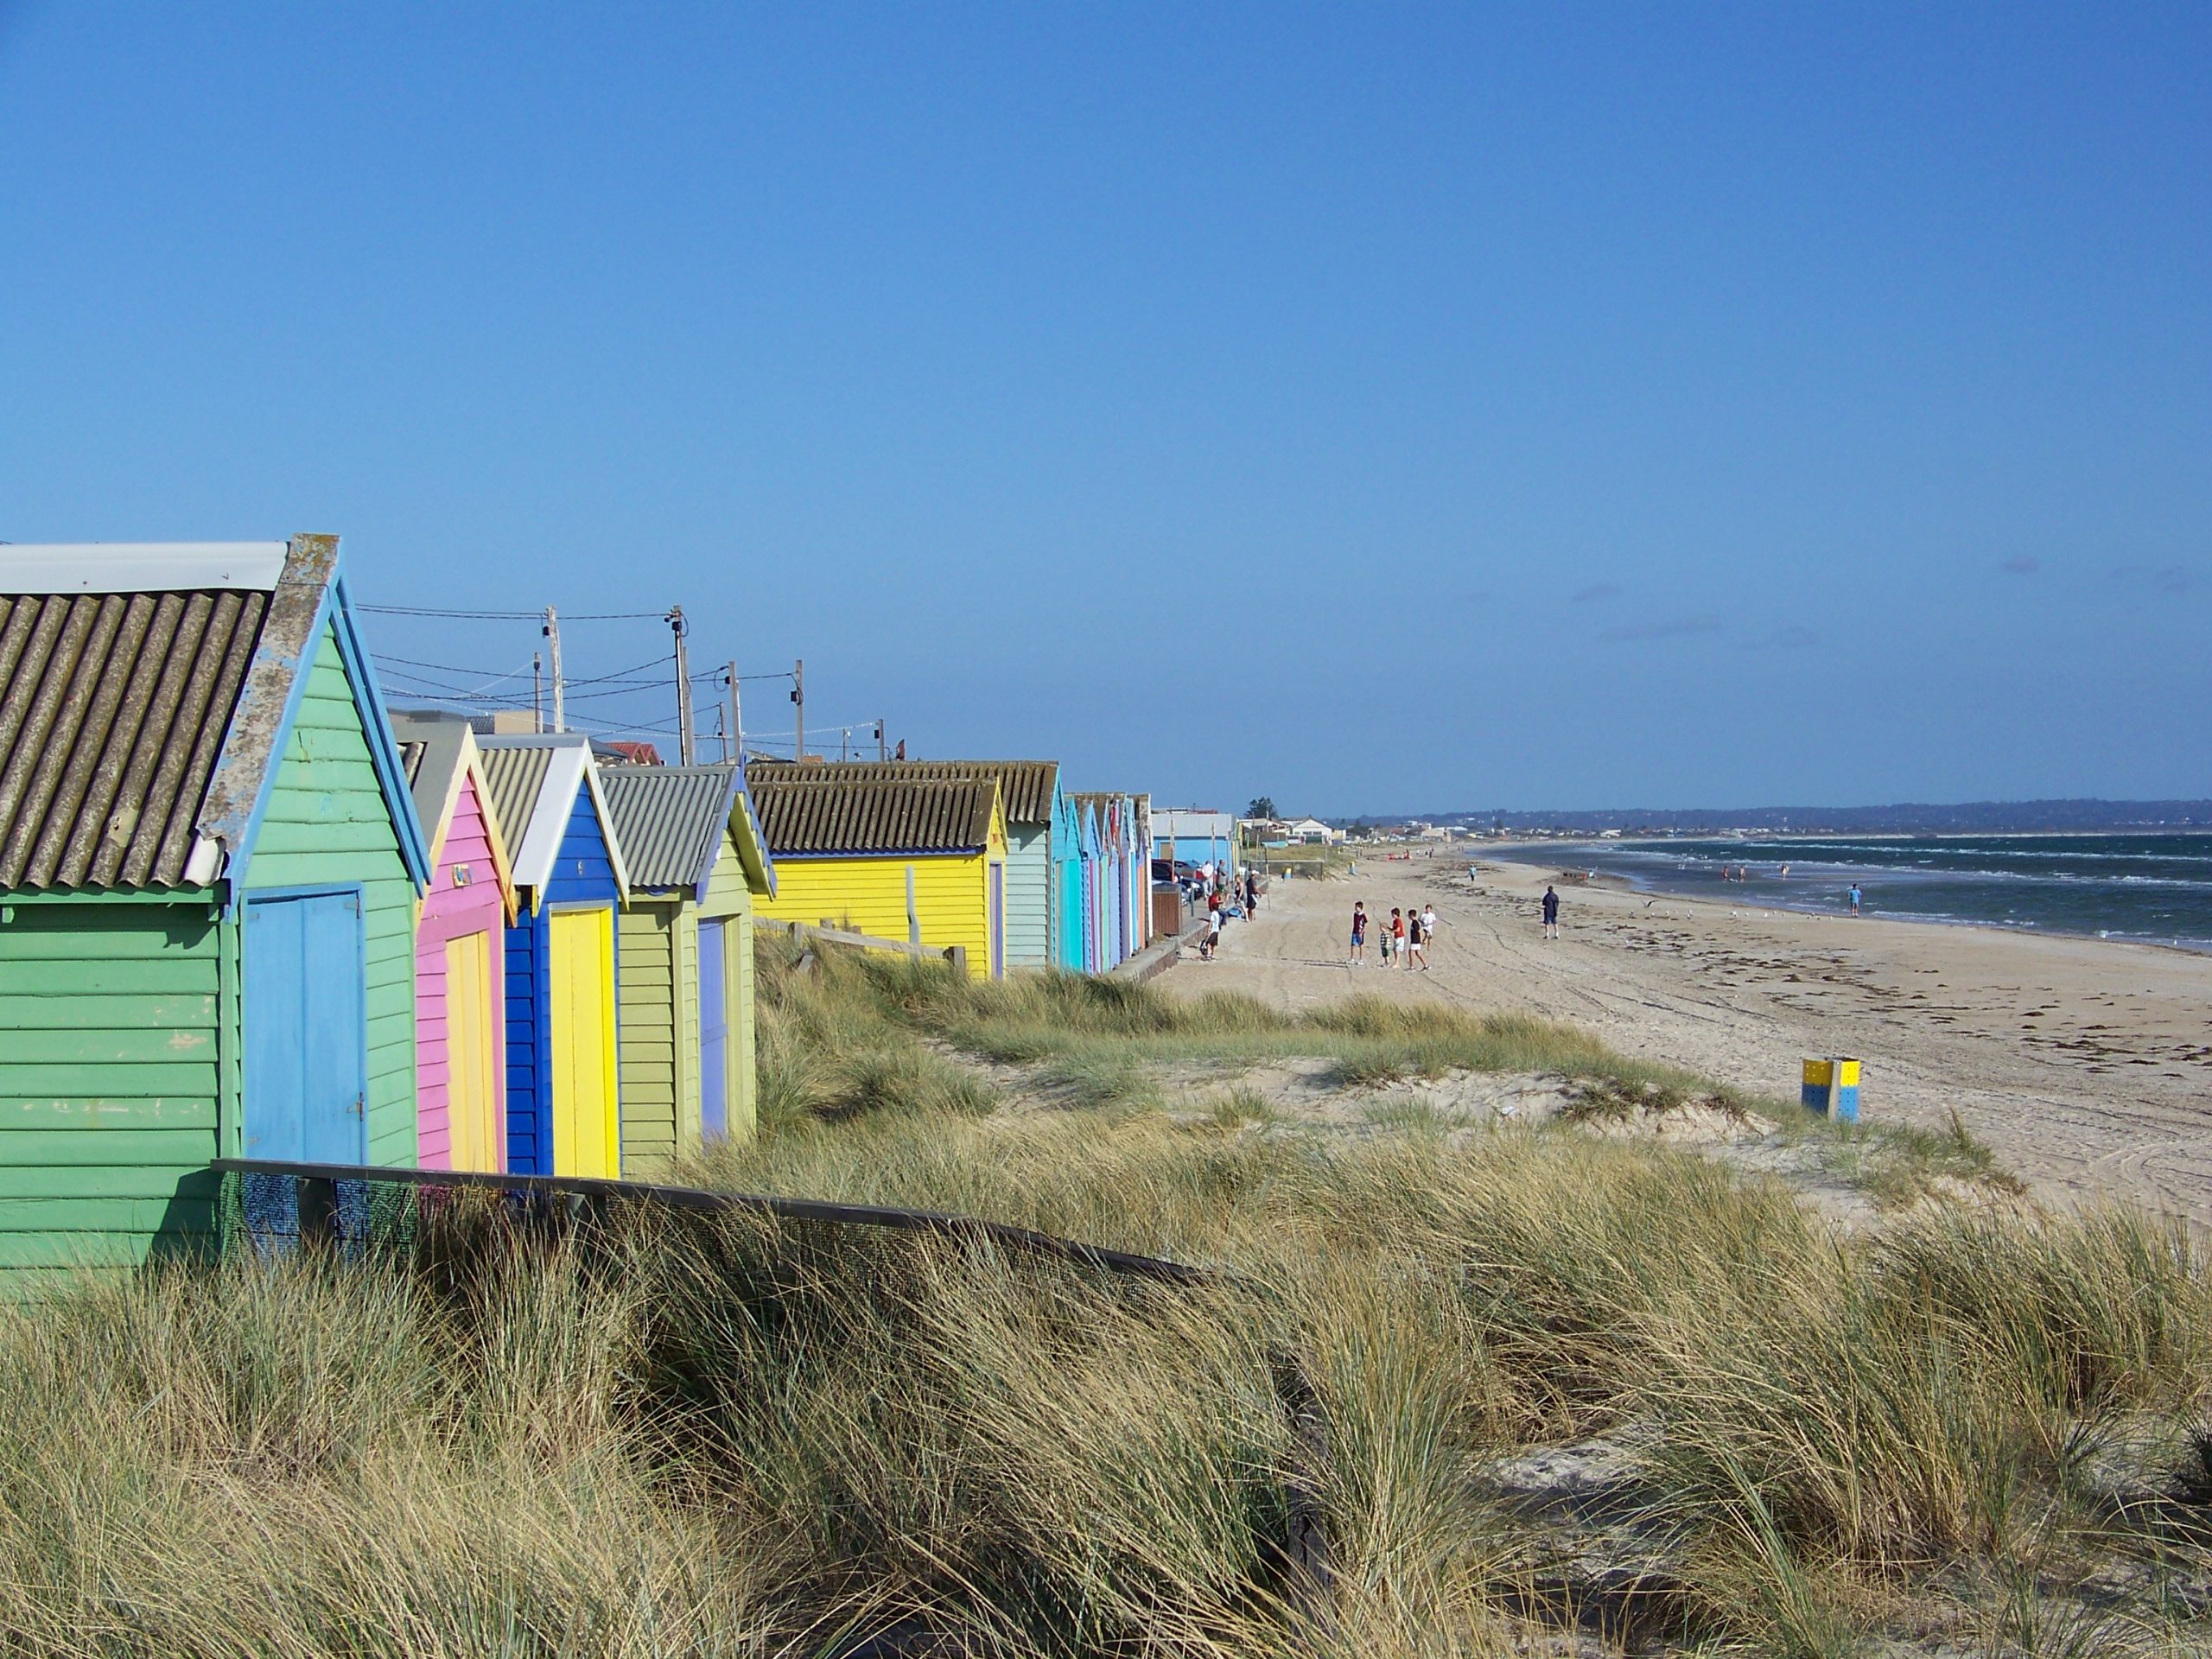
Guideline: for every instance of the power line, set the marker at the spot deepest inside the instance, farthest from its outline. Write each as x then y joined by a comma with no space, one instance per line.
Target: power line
512,616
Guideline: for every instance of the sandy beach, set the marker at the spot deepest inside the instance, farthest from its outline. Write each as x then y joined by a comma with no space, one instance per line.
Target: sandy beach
2085,1064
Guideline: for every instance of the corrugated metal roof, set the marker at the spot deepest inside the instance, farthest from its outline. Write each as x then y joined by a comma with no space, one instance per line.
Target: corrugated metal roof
825,811
1025,787
516,775
114,711
671,820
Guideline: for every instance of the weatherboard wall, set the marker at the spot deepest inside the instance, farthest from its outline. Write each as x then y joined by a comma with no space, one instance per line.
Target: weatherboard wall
657,1013
463,898
1029,895
328,826
109,1079
582,876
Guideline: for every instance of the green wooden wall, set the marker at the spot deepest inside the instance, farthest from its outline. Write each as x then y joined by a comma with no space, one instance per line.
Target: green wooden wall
658,1011
327,823
109,1081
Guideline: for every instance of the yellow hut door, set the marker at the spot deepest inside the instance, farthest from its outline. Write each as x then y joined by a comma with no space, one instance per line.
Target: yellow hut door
471,1093
582,973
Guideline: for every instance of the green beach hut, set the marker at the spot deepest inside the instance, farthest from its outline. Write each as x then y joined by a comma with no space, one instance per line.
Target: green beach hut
209,867
696,859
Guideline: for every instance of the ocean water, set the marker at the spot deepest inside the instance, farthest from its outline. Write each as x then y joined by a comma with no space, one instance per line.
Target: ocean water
2150,888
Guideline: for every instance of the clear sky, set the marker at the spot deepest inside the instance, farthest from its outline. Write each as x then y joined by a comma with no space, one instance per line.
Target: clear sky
1380,408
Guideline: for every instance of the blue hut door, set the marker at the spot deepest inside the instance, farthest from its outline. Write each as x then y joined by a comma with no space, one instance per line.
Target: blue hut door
713,1032
306,1037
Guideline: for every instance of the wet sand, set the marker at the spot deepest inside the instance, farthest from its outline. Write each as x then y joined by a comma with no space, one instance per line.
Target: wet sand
2086,1064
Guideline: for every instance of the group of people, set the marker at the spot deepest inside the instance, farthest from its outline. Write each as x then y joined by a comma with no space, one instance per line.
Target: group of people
1406,935
1218,902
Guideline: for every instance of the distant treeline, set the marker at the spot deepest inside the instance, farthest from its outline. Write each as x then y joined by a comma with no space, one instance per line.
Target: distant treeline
1986,817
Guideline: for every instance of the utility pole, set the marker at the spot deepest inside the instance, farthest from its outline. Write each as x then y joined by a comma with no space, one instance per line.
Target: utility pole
736,717
537,690
687,744
798,702
553,647
881,753
845,745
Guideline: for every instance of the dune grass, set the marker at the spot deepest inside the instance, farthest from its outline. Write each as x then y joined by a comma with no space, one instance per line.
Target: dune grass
1972,1432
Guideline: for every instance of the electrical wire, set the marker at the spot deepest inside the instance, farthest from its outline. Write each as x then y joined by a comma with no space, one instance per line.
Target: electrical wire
513,616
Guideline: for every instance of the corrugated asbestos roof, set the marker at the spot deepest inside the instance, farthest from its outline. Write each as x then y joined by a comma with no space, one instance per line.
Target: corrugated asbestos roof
1025,787
113,710
825,811
671,820
516,775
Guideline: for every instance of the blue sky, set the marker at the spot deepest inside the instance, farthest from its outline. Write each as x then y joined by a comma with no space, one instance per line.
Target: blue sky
1379,408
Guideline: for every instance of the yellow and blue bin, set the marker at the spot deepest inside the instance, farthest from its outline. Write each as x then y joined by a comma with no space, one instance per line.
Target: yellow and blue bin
1831,1088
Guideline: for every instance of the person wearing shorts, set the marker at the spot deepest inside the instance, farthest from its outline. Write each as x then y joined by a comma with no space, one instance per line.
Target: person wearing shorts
1359,934
1551,914
1397,933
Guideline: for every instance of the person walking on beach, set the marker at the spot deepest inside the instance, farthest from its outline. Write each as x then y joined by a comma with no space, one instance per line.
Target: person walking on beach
1417,942
1212,943
1551,914
1359,934
1392,936
1855,898
1427,929
1251,894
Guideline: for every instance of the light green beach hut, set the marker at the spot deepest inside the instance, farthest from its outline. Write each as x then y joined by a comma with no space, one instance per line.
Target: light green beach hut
696,861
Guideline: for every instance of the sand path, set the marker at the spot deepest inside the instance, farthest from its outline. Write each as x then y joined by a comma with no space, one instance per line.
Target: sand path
2087,1065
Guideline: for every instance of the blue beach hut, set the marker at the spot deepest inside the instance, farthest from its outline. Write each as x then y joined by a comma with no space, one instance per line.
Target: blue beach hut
570,879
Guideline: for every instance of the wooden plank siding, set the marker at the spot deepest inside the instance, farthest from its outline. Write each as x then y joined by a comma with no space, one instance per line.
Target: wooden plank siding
1028,895
328,825
658,1017
868,895
450,909
109,1083
583,873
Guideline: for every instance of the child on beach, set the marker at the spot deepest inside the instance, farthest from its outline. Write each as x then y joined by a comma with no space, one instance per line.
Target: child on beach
1393,930
1359,934
1212,943
1427,931
1398,934
1417,943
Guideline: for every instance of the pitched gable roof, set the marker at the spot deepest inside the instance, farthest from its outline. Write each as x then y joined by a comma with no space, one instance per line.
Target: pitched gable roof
672,820
534,779
440,756
147,692
833,814
1026,788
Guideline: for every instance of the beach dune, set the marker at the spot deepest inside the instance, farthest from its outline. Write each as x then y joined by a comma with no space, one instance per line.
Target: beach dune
2085,1064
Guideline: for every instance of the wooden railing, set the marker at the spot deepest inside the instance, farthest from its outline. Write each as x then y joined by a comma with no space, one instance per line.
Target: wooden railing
316,1188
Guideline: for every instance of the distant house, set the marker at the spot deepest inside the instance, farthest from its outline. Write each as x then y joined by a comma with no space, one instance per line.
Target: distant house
208,870
1194,836
920,859
1311,831
562,1047
697,865
460,968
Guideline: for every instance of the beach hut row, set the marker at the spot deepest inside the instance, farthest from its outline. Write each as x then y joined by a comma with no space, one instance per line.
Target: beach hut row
246,911
911,850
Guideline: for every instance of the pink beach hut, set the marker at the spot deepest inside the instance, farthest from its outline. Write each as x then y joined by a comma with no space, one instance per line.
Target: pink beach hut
460,1068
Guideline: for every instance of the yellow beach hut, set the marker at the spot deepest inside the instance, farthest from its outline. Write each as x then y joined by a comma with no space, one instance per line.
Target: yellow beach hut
914,859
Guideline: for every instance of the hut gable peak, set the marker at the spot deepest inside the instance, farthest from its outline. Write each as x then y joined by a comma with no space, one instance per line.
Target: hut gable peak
534,779
147,695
